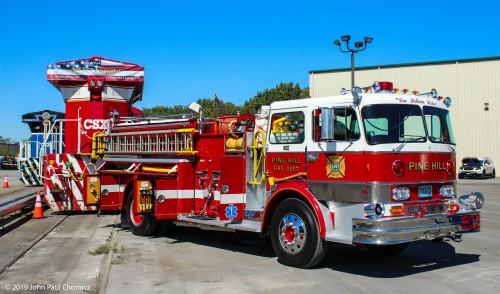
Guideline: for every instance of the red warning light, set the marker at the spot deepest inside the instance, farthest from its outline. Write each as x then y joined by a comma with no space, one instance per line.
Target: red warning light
386,86
398,167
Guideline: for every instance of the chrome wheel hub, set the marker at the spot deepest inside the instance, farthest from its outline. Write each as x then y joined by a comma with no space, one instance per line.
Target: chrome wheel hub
292,234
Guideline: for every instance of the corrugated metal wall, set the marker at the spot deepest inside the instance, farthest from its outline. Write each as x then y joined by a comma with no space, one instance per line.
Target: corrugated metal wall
469,83
9,148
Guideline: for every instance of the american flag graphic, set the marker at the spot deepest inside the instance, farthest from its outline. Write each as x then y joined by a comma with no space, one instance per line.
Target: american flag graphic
79,70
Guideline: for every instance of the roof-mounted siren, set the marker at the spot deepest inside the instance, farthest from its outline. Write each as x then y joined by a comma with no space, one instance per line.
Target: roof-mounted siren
357,94
433,93
96,87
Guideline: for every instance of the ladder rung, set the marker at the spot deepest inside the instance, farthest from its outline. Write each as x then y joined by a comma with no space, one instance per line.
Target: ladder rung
175,141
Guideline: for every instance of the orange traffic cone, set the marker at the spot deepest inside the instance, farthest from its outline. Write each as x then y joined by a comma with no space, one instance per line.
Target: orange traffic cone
6,182
38,211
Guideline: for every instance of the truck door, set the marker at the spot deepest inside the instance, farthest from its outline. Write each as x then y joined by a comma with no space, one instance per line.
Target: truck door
286,144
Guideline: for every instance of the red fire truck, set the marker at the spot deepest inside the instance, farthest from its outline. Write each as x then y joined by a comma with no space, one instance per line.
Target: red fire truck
374,167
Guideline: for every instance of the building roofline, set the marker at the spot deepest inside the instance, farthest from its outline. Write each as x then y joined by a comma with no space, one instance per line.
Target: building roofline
482,59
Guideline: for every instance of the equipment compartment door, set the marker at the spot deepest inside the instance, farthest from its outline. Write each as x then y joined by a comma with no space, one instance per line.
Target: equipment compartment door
232,187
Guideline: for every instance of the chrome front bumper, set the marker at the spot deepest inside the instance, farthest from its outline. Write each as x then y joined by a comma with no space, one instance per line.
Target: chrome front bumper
403,230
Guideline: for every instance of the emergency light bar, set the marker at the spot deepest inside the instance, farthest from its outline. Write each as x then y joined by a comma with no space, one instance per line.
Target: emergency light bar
388,87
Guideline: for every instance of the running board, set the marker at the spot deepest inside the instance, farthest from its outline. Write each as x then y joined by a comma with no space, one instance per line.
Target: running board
211,224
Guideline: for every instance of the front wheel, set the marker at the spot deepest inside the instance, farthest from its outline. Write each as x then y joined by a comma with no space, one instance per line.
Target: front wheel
140,225
295,235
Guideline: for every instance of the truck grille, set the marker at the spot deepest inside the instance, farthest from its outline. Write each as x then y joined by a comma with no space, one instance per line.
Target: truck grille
433,208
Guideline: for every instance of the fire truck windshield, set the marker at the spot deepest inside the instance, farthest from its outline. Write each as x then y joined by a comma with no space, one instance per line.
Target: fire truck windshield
438,123
396,123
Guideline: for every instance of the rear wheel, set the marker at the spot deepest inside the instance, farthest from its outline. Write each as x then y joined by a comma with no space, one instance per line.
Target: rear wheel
140,225
393,249
295,235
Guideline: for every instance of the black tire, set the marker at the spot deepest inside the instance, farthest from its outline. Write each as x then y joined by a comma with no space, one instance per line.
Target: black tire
493,174
295,235
460,176
393,249
123,219
140,225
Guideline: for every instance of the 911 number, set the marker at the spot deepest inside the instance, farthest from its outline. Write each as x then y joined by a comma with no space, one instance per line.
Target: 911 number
471,222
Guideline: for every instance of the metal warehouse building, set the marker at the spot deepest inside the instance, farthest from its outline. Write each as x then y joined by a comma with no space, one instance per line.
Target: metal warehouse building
470,83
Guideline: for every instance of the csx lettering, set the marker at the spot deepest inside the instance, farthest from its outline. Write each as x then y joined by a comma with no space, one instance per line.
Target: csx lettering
94,124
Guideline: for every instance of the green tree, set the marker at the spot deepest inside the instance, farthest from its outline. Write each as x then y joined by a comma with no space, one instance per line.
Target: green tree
5,140
282,92
211,108
165,110
214,107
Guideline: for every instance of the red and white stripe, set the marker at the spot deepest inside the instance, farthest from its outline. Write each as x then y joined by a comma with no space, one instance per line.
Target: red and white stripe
58,178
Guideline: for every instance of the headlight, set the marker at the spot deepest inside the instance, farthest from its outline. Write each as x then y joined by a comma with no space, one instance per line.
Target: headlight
447,191
401,193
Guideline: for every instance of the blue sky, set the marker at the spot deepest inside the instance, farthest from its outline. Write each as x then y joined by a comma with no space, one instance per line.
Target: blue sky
191,49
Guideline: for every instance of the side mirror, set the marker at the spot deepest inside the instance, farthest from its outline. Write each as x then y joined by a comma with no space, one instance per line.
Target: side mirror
327,127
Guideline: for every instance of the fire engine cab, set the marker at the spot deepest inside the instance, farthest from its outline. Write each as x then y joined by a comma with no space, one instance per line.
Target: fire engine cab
374,166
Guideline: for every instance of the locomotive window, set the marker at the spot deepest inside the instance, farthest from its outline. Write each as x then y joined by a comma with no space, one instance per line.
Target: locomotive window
287,128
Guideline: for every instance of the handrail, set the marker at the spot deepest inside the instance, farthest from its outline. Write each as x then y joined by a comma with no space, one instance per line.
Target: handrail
98,146
259,164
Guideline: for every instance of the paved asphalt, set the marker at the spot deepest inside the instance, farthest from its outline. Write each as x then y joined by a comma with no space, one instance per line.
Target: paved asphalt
188,260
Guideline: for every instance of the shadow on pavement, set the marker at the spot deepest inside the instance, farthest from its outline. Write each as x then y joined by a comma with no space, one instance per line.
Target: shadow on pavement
420,257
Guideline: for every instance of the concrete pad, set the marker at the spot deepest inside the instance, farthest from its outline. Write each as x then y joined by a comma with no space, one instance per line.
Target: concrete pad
61,262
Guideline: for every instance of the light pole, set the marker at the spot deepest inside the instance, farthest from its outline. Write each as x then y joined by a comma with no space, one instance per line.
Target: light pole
358,46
